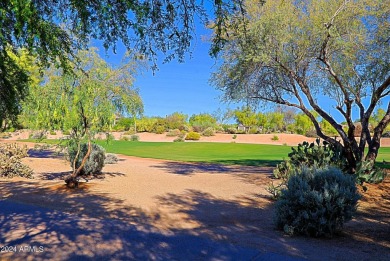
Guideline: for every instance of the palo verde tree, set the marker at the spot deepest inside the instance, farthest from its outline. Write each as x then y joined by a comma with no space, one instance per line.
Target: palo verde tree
290,52
83,102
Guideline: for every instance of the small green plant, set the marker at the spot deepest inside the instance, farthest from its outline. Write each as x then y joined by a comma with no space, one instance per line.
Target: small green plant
193,136
131,131
316,202
178,140
53,133
234,136
253,130
208,132
275,138
134,137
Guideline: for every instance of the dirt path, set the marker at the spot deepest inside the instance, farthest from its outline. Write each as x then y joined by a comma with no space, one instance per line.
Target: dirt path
150,209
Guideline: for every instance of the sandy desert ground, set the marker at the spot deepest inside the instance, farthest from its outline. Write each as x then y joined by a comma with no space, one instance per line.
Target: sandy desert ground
147,209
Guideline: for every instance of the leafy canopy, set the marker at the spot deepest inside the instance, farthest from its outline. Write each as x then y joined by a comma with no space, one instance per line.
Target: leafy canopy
291,52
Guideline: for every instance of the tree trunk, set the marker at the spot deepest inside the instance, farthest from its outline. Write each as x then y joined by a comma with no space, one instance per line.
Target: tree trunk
72,181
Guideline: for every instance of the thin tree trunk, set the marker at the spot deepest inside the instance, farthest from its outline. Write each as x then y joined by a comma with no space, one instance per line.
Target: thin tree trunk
71,181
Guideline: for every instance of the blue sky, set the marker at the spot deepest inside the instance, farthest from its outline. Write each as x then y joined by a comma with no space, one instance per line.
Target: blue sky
178,87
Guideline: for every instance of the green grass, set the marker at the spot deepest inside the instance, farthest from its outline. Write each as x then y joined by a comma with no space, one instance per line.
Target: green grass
223,153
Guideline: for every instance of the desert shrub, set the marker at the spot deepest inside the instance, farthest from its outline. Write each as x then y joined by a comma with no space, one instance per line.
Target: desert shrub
275,138
193,136
95,161
178,140
311,134
38,135
159,129
366,171
208,132
111,159
10,161
134,138
173,133
234,136
53,133
316,202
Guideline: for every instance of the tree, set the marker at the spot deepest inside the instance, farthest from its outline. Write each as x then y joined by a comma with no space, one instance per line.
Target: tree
202,121
288,52
246,116
85,101
53,31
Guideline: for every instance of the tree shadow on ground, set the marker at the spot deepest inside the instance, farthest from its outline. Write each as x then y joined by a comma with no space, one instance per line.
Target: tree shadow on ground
247,221
83,225
78,225
44,154
189,168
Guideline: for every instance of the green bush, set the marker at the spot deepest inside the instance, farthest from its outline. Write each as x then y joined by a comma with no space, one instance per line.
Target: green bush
10,161
53,133
234,136
95,161
316,202
131,131
275,138
193,136
159,129
66,132
178,140
208,132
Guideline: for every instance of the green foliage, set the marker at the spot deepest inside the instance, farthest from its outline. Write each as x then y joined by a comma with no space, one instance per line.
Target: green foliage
253,130
123,124
316,202
146,124
234,136
246,116
5,135
208,132
176,120
275,138
178,140
200,122
95,161
192,136
311,155
366,171
10,161
53,133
